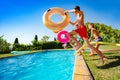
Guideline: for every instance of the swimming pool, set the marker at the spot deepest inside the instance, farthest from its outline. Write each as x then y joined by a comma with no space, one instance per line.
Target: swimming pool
47,65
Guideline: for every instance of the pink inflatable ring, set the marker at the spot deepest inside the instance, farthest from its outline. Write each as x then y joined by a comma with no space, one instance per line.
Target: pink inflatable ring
63,36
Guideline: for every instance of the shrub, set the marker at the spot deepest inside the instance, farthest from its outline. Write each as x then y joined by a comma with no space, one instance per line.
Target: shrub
52,45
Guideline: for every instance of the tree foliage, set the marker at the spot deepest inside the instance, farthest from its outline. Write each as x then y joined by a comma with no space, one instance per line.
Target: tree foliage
55,39
45,38
36,45
22,47
16,41
4,46
16,44
107,33
52,45
36,38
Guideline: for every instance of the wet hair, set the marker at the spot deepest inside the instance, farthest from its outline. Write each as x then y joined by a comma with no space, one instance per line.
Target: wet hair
77,8
92,24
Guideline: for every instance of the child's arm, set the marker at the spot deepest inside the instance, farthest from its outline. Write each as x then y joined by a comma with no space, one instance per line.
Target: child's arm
72,23
70,11
91,35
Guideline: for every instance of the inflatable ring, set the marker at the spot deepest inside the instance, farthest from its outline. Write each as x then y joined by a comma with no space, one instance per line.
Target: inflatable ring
55,27
63,37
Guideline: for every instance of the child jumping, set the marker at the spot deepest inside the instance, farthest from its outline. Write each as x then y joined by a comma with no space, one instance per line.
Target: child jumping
95,34
81,30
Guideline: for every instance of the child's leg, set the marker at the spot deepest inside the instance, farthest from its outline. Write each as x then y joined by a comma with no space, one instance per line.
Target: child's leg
74,43
92,52
94,49
97,46
73,40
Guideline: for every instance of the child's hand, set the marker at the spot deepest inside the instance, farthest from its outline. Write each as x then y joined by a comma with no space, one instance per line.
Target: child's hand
66,12
71,22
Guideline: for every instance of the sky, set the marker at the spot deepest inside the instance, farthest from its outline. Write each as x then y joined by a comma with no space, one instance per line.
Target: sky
22,19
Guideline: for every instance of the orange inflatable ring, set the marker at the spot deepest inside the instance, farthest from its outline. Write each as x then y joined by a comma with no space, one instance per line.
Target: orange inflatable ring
55,27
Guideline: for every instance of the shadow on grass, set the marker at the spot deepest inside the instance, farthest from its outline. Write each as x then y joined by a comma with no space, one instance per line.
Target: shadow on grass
111,64
106,54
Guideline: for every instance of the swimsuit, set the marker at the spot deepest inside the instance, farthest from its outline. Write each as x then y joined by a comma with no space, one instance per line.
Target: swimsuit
98,39
82,31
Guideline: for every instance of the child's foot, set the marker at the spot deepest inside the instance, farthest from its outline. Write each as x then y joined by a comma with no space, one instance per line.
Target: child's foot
77,47
82,50
91,55
103,59
64,46
80,53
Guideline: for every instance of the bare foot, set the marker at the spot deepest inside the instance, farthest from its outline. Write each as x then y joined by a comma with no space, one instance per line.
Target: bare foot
64,45
91,55
103,59
80,53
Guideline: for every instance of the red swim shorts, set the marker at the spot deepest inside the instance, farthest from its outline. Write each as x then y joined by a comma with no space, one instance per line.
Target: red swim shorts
82,31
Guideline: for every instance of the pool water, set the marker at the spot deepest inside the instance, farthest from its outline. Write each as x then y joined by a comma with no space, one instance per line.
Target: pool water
47,65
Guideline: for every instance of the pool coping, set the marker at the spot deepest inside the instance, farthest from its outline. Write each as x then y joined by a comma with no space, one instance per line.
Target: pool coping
34,51
13,55
81,70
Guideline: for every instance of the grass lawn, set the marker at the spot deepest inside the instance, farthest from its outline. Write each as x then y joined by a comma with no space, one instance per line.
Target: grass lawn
110,70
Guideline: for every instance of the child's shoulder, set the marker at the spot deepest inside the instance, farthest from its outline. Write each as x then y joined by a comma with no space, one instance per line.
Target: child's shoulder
93,30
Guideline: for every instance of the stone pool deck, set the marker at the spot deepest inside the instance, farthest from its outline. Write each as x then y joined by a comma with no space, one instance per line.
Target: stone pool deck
81,70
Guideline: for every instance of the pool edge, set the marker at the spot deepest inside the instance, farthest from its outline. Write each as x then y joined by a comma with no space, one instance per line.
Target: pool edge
34,51
81,70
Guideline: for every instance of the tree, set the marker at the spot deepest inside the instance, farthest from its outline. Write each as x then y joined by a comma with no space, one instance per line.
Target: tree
55,39
36,44
35,41
4,45
36,38
45,38
16,41
16,45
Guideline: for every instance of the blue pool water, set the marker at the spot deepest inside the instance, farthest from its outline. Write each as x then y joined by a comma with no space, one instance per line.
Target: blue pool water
47,65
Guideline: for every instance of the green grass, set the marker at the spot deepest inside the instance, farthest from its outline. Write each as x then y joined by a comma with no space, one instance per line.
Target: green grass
110,70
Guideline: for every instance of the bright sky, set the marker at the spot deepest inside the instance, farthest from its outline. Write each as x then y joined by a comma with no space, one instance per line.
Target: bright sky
23,18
